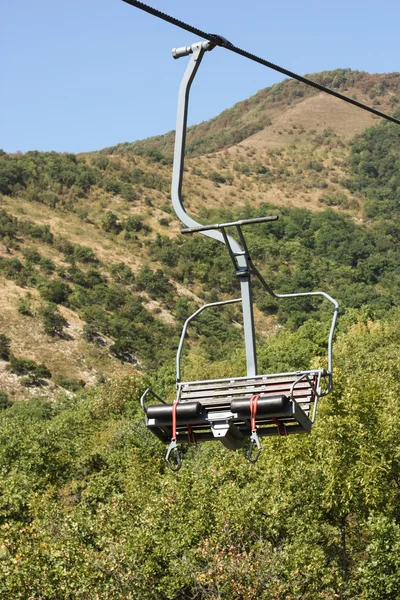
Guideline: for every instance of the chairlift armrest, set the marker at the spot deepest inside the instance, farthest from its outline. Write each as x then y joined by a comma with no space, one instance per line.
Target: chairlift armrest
143,396
185,326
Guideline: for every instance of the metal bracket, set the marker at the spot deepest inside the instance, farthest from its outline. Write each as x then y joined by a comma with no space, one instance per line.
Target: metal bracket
186,50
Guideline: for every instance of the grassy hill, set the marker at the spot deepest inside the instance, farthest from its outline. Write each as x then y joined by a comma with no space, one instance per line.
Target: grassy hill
96,280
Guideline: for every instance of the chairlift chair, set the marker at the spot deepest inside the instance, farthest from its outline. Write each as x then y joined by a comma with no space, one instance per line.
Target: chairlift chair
235,408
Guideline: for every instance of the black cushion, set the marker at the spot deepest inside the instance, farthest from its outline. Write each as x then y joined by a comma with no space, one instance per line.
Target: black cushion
185,411
270,405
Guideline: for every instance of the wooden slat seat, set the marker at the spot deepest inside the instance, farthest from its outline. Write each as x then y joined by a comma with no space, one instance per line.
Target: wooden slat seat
301,391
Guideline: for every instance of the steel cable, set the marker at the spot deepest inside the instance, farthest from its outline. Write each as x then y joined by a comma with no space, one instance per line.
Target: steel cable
222,42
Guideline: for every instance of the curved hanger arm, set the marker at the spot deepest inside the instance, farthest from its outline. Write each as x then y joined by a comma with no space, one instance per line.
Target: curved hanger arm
197,50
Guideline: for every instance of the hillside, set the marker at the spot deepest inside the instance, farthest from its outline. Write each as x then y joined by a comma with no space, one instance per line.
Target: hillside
97,282
275,106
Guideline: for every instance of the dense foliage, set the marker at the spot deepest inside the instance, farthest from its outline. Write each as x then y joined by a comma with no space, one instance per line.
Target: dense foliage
87,508
301,252
59,180
375,163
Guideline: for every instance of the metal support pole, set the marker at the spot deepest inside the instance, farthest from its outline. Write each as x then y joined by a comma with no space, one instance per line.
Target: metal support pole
197,50
248,324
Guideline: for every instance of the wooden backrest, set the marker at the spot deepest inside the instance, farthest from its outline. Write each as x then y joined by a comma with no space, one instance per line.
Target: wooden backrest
218,394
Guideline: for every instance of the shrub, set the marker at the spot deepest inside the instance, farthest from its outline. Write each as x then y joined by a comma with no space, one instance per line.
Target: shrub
65,247
55,291
31,255
122,273
5,402
122,350
156,283
217,177
26,366
128,193
85,254
73,385
47,265
11,267
90,333
136,224
52,320
24,307
110,223
5,351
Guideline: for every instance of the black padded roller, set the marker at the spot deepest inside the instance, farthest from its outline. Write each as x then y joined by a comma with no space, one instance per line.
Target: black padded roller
271,405
185,411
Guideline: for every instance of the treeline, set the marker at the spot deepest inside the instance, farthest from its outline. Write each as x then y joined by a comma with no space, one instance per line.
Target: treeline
59,180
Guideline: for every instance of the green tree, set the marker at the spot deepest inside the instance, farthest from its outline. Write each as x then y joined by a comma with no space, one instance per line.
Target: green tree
110,223
5,402
5,351
52,320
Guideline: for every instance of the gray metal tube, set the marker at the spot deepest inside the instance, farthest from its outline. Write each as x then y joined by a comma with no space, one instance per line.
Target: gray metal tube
176,194
230,224
303,294
185,326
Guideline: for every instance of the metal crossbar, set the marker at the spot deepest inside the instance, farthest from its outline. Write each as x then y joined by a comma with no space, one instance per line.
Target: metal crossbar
231,224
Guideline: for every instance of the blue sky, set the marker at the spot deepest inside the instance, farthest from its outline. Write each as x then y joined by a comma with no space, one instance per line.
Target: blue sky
80,75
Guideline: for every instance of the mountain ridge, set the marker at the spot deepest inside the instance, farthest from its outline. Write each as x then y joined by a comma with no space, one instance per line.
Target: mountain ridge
370,87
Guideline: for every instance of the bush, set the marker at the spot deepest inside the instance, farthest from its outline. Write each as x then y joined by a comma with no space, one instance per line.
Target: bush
156,284
4,401
5,351
217,177
122,273
133,224
122,350
26,366
110,223
52,320
31,255
90,333
47,265
73,385
55,291
85,254
24,307
128,193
